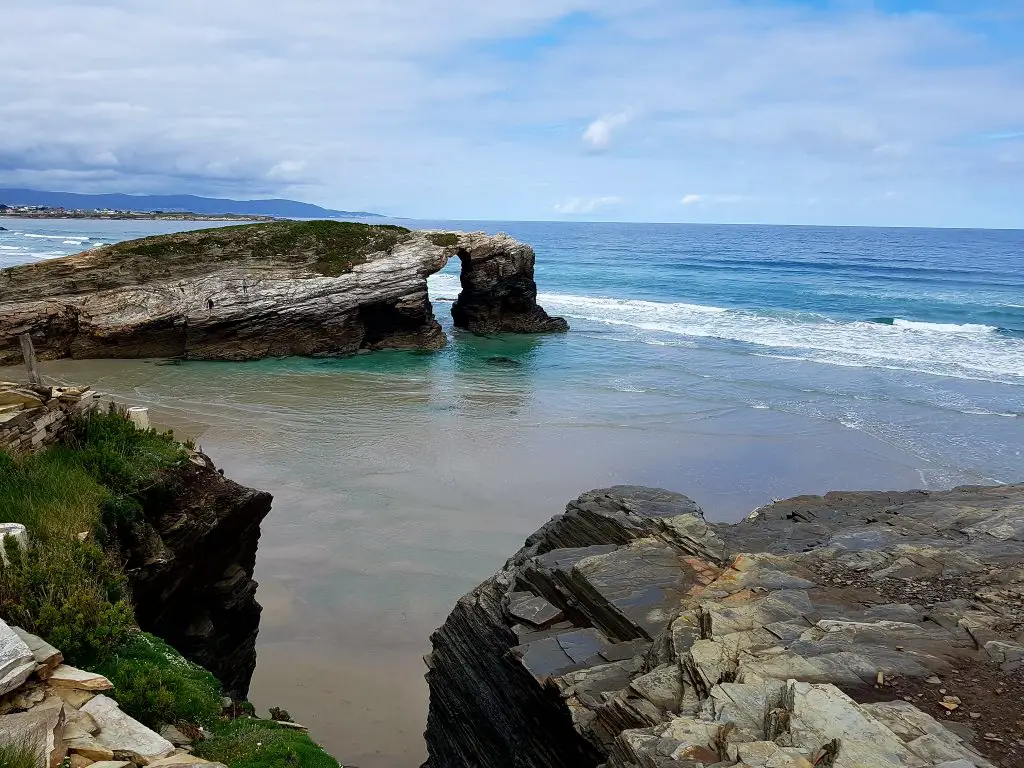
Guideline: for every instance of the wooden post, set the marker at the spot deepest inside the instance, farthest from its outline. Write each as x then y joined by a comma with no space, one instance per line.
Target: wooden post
29,353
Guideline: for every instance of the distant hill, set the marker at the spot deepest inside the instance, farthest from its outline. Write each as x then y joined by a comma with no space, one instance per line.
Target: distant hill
174,203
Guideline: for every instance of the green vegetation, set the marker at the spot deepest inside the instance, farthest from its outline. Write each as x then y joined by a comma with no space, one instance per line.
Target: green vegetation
71,591
156,685
66,587
444,239
250,743
332,248
18,756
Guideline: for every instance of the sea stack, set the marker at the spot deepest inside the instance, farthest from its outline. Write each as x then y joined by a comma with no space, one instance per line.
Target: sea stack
266,290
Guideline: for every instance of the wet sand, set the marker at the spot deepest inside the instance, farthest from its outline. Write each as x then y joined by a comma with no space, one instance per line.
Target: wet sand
400,483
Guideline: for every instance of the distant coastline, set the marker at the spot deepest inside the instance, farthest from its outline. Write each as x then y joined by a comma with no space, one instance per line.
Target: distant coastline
42,212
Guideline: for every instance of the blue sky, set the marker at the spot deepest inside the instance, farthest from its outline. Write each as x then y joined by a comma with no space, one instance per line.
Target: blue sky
896,112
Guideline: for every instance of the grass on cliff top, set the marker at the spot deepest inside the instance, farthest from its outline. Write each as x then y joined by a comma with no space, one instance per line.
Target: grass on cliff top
70,591
253,743
157,685
332,248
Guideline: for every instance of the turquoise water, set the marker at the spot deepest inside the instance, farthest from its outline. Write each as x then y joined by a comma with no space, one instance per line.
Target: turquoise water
730,363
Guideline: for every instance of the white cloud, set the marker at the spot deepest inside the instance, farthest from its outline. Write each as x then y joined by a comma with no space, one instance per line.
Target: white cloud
598,135
695,199
582,205
336,103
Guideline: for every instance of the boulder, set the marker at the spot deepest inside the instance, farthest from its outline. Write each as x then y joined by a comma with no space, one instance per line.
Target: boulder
124,735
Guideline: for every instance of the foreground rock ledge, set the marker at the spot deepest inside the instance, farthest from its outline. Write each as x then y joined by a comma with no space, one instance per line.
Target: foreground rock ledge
850,630
246,292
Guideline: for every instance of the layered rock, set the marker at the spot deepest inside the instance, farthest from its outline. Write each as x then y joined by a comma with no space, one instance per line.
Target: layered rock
190,560
285,288
847,630
498,291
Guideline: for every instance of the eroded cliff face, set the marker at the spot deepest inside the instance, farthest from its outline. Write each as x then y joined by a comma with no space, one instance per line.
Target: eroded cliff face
851,630
190,560
285,288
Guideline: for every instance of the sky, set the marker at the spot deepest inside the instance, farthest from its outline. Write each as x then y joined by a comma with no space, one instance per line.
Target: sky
894,112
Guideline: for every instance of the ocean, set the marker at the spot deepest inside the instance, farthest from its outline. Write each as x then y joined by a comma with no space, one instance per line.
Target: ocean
732,363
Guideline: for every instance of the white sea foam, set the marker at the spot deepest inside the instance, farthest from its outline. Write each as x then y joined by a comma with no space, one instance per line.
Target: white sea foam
963,351
65,238
913,325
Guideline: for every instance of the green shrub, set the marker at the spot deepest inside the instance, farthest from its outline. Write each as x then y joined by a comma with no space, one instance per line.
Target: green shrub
119,456
156,685
18,756
69,592
252,743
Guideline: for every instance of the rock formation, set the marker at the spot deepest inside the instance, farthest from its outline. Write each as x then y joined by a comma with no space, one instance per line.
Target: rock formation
850,630
190,560
246,292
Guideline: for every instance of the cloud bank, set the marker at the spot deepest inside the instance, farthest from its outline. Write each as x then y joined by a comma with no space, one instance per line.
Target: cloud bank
470,110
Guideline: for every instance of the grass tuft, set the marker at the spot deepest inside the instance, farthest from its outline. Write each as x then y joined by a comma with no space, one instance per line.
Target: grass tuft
18,756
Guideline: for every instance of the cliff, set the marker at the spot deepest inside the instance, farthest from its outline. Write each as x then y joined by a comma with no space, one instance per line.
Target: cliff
285,288
851,630
185,536
190,560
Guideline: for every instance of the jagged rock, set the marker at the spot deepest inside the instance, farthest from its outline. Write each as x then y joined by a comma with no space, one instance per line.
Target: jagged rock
74,698
66,676
79,761
47,657
17,661
176,737
87,746
284,288
112,764
124,735
673,642
39,728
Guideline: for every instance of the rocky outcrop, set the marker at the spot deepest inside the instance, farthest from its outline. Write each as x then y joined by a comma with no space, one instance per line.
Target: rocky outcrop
851,630
190,560
498,291
285,288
